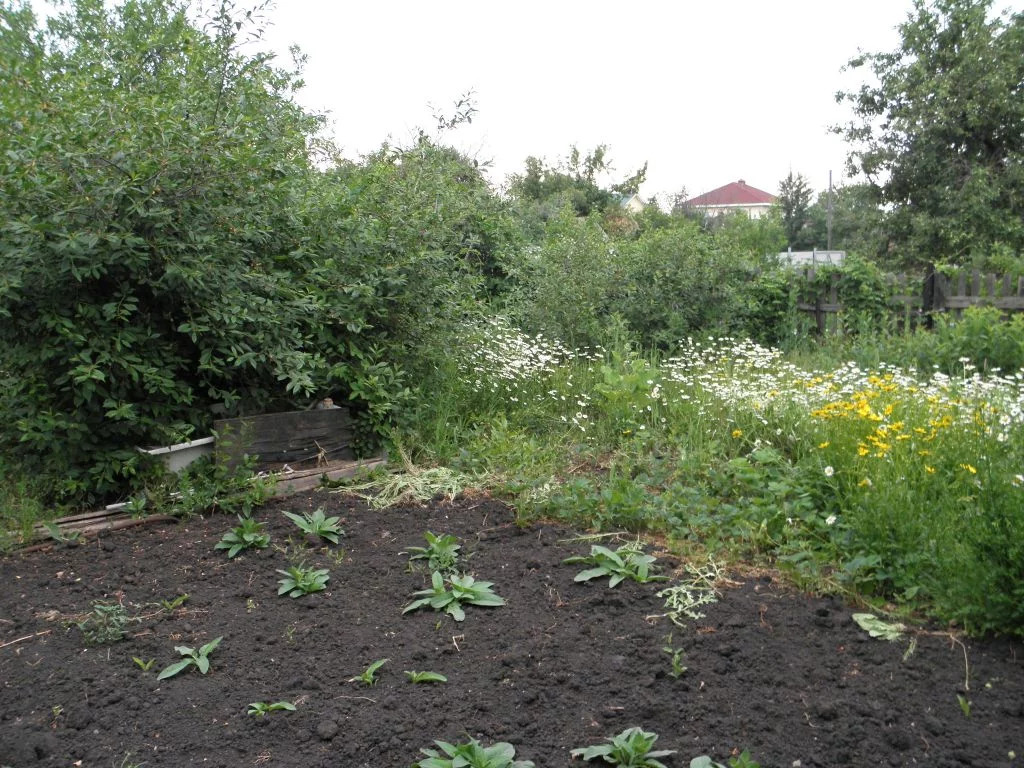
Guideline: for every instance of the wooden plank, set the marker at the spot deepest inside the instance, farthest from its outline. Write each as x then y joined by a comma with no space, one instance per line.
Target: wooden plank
289,484
1009,302
290,437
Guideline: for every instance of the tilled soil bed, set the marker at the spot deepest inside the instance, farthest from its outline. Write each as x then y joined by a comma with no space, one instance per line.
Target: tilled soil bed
788,676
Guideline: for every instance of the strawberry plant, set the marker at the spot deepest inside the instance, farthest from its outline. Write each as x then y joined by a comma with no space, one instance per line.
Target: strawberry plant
200,659
630,749
471,755
317,524
464,589
299,580
627,562
248,534
441,552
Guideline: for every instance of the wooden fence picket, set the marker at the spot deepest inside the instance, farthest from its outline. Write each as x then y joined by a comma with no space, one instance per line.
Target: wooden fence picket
915,300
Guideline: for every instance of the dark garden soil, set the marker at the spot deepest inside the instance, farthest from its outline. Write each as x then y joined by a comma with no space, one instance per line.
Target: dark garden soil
788,676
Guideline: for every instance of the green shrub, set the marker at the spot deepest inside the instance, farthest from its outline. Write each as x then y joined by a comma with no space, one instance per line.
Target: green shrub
197,259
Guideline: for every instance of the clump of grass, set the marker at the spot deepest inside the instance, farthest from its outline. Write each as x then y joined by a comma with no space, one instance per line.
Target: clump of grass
413,485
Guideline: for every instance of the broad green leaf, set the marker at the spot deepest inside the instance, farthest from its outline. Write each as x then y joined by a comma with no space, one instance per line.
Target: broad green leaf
487,600
591,573
211,646
174,669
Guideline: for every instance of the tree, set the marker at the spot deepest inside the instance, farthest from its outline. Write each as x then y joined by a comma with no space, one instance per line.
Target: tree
858,222
794,206
940,133
577,182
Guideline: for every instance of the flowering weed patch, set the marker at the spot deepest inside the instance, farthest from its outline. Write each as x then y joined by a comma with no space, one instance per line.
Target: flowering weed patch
887,481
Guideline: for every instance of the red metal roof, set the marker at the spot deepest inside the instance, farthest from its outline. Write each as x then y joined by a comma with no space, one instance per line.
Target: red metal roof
735,193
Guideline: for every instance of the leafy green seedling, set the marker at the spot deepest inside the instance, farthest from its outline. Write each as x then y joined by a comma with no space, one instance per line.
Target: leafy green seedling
743,760
464,589
106,623
170,605
425,677
261,708
368,675
965,704
299,581
630,749
317,524
471,755
199,659
441,552
627,562
678,668
875,627
248,534
67,538
145,666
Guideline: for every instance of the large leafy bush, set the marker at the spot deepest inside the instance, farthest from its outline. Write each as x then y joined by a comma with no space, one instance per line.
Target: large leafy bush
173,248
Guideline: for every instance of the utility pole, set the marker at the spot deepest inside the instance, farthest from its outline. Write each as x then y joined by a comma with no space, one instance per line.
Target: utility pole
828,218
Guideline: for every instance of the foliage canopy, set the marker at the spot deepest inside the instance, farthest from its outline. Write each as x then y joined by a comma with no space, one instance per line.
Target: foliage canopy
940,131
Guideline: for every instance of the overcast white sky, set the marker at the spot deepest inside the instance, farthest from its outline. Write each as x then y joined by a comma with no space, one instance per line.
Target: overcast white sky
706,92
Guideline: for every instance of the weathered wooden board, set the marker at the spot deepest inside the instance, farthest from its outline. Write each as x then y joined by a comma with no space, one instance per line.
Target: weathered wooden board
287,484
291,437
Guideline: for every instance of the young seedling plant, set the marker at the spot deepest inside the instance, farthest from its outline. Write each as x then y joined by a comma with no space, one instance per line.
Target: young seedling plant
106,624
472,755
441,552
200,659
425,677
175,604
317,524
248,534
61,536
261,708
369,675
627,562
743,760
630,749
299,580
464,589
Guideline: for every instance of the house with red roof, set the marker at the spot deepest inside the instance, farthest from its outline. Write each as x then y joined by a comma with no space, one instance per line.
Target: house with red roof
733,197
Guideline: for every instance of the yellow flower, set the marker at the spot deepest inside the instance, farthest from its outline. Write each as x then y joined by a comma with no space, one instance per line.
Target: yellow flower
929,470
737,433
865,483
969,468
824,445
863,450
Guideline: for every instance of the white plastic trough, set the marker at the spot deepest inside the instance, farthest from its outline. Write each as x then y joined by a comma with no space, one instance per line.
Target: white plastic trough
177,457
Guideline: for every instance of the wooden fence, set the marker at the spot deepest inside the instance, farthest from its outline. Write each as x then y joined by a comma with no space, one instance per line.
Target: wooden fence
913,299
